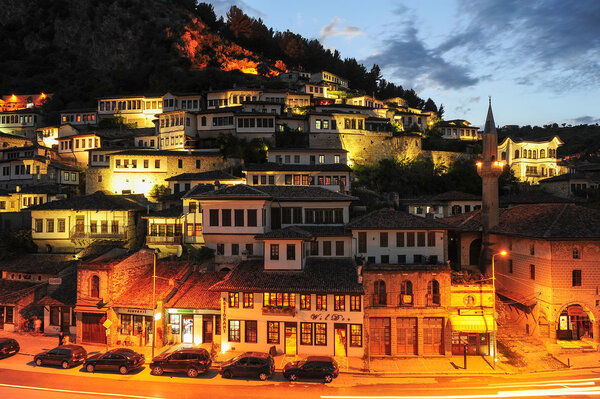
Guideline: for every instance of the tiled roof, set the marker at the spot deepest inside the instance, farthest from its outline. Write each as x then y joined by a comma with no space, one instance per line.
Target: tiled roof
534,198
65,293
291,232
326,231
550,221
211,176
302,232
284,167
154,153
13,291
140,293
41,189
455,196
320,276
97,201
199,189
171,212
297,149
296,193
38,263
593,177
390,219
406,268
194,293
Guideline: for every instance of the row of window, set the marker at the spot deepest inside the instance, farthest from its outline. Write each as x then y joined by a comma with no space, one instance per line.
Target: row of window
403,239
235,248
17,119
68,144
352,123
185,104
173,120
255,122
39,225
290,251
306,180
71,118
100,158
125,163
287,159
288,300
167,230
175,140
129,105
315,89
327,248
18,154
238,217
417,259
533,154
325,124
381,297
65,313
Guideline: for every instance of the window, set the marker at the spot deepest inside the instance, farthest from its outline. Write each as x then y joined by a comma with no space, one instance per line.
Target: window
248,299
421,239
214,217
234,330
239,217
305,301
385,259
322,302
192,207
226,217
50,225
179,163
339,303
510,266
320,334
272,332
355,303
399,239
431,239
410,239
251,334
532,249
362,242
339,248
274,251
61,225
234,298
198,163
39,225
235,249
380,295
433,293
383,239
95,287
326,248
252,217
305,333
356,335
291,251
532,272
157,163
279,299
575,253
406,293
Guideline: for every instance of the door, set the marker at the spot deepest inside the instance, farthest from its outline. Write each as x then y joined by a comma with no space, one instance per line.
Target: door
407,335
93,330
433,334
472,344
291,331
187,334
207,329
79,225
340,348
275,218
65,320
380,336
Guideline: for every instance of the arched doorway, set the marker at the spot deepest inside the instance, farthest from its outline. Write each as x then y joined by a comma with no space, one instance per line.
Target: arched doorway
574,323
475,251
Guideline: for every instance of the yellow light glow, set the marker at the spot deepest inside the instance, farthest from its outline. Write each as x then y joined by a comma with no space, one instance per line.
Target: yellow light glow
503,253
42,96
158,316
479,164
225,347
501,164
13,98
197,341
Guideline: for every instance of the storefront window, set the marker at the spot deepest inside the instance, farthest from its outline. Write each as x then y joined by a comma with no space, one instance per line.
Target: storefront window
126,326
175,321
188,329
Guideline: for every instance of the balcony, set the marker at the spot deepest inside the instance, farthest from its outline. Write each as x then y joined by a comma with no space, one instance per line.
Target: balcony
283,311
99,232
157,240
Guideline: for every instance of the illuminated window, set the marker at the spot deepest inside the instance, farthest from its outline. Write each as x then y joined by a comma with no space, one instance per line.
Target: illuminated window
305,301
320,334
339,303
248,299
234,298
272,332
356,335
306,333
322,302
355,303
234,331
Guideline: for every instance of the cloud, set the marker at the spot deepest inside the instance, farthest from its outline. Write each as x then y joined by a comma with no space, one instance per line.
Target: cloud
332,30
586,120
222,6
408,59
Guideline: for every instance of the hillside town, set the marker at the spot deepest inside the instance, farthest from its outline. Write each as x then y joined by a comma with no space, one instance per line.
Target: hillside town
137,229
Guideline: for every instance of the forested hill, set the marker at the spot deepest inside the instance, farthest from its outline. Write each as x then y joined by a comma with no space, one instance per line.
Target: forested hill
83,49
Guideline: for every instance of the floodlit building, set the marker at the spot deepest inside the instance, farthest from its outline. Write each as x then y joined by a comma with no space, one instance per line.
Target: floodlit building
531,160
458,129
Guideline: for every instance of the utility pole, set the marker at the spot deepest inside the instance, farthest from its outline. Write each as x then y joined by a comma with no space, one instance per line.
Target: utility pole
153,301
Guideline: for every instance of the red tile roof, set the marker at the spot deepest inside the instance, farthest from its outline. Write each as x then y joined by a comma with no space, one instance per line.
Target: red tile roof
194,293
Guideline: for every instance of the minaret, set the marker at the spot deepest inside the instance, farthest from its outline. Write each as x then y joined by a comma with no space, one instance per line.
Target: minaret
489,168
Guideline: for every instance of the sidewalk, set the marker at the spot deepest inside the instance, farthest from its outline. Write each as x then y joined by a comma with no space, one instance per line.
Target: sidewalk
476,365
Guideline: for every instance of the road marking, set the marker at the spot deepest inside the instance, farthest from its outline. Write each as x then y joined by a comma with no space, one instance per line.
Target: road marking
119,395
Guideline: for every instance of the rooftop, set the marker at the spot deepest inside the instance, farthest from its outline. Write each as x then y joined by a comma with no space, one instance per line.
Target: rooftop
97,201
282,193
210,176
391,219
194,293
38,263
166,153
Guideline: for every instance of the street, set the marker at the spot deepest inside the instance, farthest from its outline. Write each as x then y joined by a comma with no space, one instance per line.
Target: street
20,378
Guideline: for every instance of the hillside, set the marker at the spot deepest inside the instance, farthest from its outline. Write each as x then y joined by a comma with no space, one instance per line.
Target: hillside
83,49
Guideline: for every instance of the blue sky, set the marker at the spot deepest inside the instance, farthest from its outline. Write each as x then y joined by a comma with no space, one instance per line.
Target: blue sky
538,59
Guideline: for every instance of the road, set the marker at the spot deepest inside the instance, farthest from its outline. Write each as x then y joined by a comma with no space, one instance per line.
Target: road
21,379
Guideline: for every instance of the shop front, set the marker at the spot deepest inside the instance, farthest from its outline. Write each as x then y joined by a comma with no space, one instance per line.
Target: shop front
574,324
473,333
192,326
135,326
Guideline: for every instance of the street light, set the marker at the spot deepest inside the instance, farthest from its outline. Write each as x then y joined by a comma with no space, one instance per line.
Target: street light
154,300
501,253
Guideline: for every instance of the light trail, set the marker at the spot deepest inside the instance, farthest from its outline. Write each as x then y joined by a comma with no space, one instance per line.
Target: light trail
117,395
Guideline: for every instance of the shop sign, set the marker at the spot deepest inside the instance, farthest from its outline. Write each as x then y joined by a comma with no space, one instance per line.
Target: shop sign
575,311
470,312
144,312
55,281
328,316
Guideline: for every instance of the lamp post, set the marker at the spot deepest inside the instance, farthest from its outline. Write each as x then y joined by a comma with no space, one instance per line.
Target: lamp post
154,301
501,253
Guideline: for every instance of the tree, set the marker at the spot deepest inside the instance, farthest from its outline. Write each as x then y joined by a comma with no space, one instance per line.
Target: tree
430,106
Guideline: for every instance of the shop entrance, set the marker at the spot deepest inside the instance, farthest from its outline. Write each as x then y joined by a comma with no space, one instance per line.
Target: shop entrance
291,331
207,329
340,340
574,324
477,343
380,341
187,331
93,330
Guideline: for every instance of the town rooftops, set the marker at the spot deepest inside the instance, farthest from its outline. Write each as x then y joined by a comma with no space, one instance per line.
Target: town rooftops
13,291
287,167
211,176
199,189
594,177
547,221
390,219
171,153
406,268
65,294
445,197
173,212
297,149
304,232
97,201
320,276
194,293
281,193
38,263
40,189
534,197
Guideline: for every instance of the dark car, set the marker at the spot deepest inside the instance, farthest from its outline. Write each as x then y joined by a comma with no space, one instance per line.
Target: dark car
250,364
121,359
8,346
65,356
313,367
190,361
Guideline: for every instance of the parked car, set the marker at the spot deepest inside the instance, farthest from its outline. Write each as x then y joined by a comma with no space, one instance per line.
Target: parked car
121,359
249,364
8,346
313,367
65,356
191,361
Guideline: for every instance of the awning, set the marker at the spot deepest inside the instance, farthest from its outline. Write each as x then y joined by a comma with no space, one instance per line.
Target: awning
89,309
473,324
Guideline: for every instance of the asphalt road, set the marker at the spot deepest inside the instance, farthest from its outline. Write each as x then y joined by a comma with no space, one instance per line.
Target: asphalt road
20,378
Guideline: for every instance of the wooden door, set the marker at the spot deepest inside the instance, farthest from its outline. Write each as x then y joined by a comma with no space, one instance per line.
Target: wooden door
406,328
433,336
207,329
93,330
380,336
